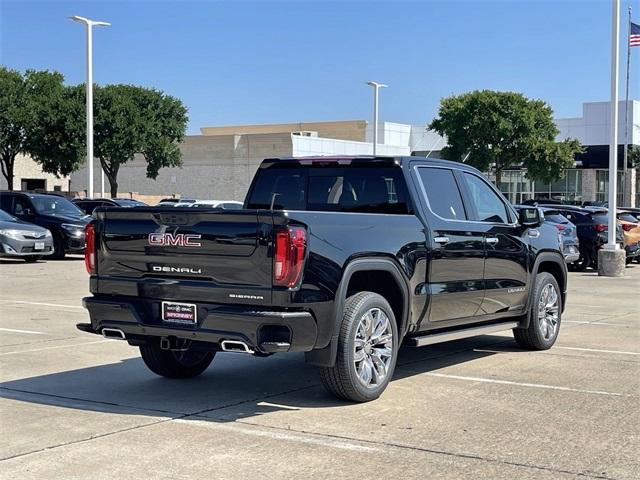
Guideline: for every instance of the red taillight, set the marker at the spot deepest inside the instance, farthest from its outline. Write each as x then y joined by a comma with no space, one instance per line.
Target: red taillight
90,248
627,227
288,256
600,227
560,227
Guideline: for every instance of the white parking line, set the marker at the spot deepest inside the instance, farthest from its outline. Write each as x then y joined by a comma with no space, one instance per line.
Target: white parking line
57,346
620,352
519,384
13,330
257,431
21,302
595,323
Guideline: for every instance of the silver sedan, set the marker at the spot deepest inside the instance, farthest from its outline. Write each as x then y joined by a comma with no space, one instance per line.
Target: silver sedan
23,240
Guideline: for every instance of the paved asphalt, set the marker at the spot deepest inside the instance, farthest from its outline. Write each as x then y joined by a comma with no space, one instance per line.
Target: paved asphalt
76,406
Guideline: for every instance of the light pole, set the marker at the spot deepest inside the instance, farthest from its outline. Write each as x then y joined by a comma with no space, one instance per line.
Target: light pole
89,24
376,87
611,259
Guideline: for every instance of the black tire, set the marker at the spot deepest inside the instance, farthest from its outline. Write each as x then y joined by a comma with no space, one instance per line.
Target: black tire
582,263
32,259
533,337
629,260
58,248
342,379
168,363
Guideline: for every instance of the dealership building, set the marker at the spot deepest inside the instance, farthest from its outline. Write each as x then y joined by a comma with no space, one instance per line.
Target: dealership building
221,161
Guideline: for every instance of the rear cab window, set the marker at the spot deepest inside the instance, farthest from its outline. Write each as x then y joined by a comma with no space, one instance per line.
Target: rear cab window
362,188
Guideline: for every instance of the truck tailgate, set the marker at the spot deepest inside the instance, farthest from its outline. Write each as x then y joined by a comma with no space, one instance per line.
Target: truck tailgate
217,256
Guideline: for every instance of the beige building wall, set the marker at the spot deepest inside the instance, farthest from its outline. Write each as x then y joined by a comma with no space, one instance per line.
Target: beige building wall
342,130
26,168
218,167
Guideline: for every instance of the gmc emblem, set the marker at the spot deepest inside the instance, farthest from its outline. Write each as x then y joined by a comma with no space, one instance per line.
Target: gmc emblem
174,240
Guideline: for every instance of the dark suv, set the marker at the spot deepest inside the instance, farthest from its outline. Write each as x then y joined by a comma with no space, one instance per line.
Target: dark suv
63,219
88,205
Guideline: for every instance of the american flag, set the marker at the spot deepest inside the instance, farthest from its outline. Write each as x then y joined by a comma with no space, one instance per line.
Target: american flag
634,35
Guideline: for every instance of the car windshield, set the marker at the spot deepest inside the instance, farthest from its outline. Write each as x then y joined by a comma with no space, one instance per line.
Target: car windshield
555,217
56,206
5,217
627,217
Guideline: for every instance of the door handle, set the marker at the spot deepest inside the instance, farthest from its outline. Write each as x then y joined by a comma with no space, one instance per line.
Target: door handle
441,240
492,240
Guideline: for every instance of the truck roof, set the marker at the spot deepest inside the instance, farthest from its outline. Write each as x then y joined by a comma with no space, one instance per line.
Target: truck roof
363,160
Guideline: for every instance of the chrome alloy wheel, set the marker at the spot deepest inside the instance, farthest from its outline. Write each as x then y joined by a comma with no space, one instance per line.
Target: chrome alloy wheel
548,311
373,347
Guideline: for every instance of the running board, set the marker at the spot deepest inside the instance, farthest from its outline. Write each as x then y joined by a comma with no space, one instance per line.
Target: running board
458,334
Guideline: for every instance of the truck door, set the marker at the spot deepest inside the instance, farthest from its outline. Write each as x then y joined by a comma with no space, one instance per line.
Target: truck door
454,283
506,251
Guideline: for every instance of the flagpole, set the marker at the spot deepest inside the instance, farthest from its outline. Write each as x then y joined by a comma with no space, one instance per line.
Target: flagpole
626,118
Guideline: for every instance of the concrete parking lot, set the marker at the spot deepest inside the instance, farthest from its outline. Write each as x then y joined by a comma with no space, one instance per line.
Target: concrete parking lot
76,406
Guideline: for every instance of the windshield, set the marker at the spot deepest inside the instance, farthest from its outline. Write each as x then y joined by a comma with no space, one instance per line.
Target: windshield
5,217
56,206
627,217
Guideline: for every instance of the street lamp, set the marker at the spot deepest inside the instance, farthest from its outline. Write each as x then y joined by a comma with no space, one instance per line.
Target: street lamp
376,87
611,259
90,24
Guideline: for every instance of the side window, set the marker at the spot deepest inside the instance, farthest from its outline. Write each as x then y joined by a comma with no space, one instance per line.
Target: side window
488,204
442,191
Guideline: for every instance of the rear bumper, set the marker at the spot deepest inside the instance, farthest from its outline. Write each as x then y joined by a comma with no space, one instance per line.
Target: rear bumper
140,319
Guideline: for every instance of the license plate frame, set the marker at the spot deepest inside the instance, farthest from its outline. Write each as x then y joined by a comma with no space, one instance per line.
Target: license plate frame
38,246
180,313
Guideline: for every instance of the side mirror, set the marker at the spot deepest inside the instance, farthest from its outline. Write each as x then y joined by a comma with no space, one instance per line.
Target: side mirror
530,217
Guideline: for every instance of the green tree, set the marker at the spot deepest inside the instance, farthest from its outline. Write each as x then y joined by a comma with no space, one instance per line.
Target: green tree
494,131
133,120
42,118
55,132
12,121
633,155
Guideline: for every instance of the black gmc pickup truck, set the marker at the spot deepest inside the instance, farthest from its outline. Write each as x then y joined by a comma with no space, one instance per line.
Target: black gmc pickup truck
341,258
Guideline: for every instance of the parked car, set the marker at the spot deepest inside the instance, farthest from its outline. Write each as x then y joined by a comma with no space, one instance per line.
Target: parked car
592,229
88,205
568,234
631,232
632,211
23,240
63,219
223,204
166,201
184,202
342,258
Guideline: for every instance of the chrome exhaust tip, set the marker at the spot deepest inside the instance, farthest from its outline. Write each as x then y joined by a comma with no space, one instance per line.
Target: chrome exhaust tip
113,334
235,346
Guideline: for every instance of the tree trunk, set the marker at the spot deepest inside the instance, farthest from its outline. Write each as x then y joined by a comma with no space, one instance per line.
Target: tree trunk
498,177
114,187
7,162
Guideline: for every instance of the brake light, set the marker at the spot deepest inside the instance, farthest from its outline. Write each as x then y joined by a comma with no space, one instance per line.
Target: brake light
288,256
600,227
627,227
90,248
560,227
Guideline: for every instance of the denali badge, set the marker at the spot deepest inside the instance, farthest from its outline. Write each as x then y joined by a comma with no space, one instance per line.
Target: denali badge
158,268
174,239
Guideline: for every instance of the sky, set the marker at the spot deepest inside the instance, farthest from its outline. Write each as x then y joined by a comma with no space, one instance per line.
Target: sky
273,62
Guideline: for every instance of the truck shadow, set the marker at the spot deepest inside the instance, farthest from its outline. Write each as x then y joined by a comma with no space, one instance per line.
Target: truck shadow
234,387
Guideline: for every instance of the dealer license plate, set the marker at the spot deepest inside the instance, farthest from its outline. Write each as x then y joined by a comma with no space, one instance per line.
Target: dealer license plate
179,312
